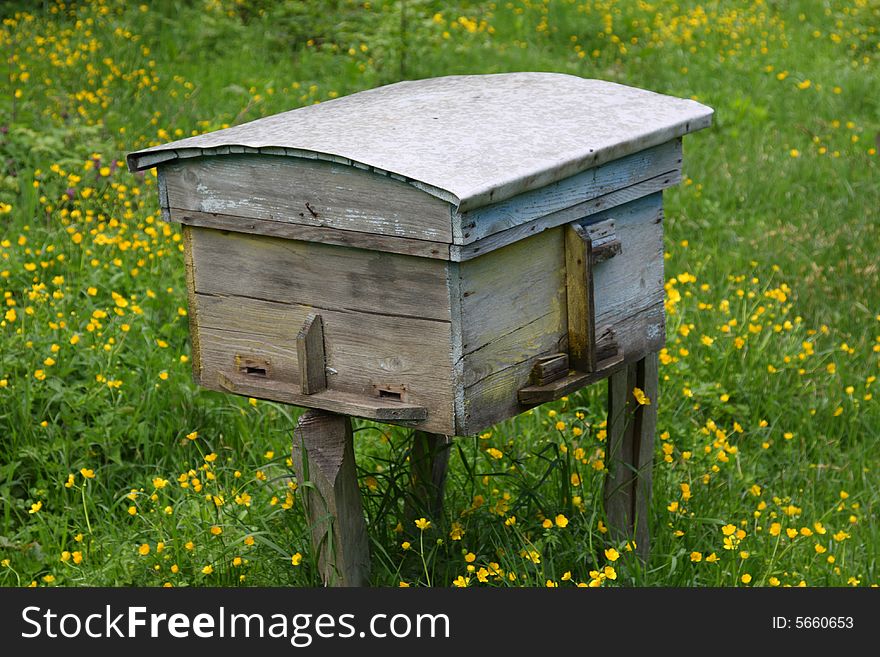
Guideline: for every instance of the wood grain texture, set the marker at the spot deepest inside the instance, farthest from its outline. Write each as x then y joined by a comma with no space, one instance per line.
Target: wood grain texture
579,298
310,355
572,191
320,275
362,350
333,401
628,303
324,234
630,452
619,453
602,204
309,192
192,304
541,393
549,368
628,288
323,456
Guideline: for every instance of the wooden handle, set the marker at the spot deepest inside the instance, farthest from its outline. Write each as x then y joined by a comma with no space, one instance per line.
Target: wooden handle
587,246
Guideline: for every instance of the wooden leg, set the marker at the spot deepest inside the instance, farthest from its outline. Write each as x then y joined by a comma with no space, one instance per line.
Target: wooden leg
428,461
323,454
630,452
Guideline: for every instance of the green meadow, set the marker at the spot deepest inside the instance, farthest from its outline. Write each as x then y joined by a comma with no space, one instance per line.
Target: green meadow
116,470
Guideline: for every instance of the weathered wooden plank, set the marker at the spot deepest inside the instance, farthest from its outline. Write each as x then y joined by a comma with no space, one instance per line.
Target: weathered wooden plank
363,351
605,205
628,288
619,453
320,275
192,305
629,310
649,378
548,369
309,192
575,190
579,298
323,455
334,401
604,242
352,238
310,354
510,288
513,309
630,452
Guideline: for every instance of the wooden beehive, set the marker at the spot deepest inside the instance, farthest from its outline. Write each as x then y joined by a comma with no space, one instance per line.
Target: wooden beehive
443,253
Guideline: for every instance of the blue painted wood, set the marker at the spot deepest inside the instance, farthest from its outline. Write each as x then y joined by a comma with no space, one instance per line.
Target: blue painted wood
468,227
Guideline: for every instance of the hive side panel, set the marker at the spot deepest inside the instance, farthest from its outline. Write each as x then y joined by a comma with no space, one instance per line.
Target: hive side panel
513,310
307,192
628,288
386,319
628,297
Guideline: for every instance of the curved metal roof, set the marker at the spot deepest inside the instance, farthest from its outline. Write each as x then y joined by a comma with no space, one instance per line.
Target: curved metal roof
472,140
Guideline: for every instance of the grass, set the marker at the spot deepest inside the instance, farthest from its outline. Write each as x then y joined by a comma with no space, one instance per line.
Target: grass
116,470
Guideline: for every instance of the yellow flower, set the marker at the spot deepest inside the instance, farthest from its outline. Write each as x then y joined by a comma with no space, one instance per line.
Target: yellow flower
470,557
207,570
456,532
405,545
236,561
794,152
296,559
461,581
216,531
639,394
87,473
612,555
561,521
746,578
423,524
248,540
192,436
36,507
144,550
158,482
560,425
609,572
77,557
70,481
132,510
696,557
495,453
11,315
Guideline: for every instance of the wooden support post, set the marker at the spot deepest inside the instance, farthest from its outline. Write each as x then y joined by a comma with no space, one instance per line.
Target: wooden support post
630,452
428,462
323,458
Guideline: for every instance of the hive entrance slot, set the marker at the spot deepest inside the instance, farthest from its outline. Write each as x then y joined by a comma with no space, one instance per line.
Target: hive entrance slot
251,366
390,394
